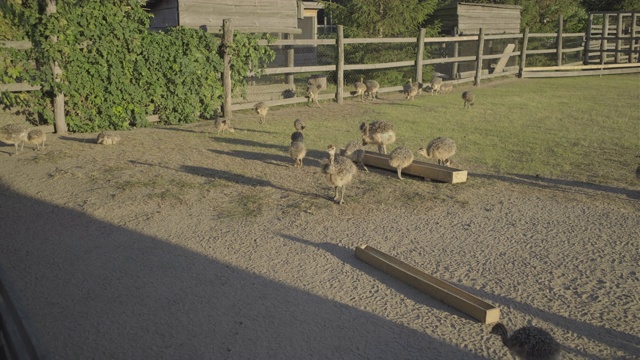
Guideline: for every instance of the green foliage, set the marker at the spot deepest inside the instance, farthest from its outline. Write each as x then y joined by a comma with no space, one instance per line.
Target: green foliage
380,18
116,72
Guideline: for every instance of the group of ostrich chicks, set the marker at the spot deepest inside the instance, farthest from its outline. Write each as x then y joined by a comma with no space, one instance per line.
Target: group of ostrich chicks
18,135
340,169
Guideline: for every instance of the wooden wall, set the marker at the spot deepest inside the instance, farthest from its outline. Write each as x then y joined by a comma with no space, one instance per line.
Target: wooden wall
272,16
469,18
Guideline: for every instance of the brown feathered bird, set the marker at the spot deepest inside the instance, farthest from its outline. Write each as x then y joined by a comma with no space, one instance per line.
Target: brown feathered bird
529,342
380,133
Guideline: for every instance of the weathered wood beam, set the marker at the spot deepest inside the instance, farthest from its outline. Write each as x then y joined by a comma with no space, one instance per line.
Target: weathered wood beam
417,168
430,285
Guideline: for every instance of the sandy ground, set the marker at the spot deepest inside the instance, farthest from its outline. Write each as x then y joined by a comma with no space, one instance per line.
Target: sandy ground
179,244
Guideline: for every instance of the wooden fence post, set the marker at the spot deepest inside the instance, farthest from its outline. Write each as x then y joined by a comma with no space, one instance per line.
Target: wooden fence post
634,42
479,57
58,100
523,53
340,64
559,41
420,56
290,59
227,40
587,42
603,42
454,69
619,38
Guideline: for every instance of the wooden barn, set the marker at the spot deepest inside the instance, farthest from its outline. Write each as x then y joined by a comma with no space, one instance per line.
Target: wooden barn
469,18
264,16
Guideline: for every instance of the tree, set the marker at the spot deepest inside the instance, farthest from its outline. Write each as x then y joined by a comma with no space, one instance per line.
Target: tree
380,18
611,5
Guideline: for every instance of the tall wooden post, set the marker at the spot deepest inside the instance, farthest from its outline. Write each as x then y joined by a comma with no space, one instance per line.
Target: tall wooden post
523,56
340,64
618,38
58,100
420,55
290,59
633,57
603,41
559,42
587,42
227,40
479,56
456,46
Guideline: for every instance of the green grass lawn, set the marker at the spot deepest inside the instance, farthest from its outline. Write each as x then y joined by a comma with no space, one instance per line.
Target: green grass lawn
577,129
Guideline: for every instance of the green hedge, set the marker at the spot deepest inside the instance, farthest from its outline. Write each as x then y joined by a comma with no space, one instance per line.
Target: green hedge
116,72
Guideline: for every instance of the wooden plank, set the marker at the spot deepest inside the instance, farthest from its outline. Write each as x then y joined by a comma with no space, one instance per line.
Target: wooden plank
19,45
581,67
418,168
506,54
380,65
18,87
552,74
378,40
430,285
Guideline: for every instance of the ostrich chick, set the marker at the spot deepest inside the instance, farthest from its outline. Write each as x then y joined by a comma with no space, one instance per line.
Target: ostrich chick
441,149
361,88
355,152
380,133
37,137
14,134
339,171
468,98
298,151
261,109
223,124
529,342
400,158
299,125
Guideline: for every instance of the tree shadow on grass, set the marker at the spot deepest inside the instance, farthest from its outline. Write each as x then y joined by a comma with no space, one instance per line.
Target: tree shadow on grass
95,290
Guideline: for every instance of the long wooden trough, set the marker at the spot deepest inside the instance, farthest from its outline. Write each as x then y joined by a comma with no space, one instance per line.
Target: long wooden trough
441,290
417,168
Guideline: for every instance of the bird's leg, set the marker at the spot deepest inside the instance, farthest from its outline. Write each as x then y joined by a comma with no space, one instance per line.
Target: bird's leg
365,168
342,196
335,198
400,174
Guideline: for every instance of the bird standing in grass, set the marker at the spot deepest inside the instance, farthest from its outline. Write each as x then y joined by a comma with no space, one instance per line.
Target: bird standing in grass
14,134
529,342
361,88
261,109
372,89
400,158
339,171
313,91
299,125
468,98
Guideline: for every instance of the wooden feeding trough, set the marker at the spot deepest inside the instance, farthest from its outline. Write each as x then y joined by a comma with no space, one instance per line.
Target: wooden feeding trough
441,290
417,168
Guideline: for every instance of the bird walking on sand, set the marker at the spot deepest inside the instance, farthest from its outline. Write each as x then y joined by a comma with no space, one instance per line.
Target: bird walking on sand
261,109
298,151
529,342
339,171
36,137
400,158
468,98
14,134
441,148
222,124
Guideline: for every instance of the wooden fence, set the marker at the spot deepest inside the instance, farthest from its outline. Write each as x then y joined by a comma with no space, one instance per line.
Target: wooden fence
518,49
